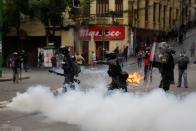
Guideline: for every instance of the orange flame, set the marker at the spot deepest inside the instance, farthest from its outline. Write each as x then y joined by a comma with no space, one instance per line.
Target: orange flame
135,78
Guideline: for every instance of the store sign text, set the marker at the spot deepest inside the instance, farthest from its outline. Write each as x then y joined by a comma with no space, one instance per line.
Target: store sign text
102,33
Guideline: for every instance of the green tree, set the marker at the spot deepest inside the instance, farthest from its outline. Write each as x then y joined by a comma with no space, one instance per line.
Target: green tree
12,10
50,12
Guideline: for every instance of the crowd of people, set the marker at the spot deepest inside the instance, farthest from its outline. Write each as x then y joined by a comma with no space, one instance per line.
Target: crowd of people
164,62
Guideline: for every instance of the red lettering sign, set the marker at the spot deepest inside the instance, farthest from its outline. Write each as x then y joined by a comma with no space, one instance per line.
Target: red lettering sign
98,32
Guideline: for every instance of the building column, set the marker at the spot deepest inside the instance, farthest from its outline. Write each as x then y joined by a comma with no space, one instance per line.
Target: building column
91,48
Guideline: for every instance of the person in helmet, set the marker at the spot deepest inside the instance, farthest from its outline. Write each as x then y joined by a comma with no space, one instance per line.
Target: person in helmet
70,68
118,76
165,64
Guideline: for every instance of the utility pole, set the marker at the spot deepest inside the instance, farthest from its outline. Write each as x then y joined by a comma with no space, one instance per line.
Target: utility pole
1,23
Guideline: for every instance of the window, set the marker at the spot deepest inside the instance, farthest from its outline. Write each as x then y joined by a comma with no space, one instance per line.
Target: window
146,11
154,13
177,11
102,8
170,16
164,15
160,8
119,8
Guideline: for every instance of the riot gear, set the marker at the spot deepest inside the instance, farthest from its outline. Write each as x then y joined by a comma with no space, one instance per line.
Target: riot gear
165,63
118,76
70,69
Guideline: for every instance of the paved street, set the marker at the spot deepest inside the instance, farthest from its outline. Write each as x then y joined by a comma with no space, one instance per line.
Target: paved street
14,121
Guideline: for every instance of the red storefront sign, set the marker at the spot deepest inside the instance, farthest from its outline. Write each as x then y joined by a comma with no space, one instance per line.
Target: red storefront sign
98,32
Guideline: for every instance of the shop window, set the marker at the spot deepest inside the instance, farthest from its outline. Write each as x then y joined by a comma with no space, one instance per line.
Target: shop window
102,8
119,8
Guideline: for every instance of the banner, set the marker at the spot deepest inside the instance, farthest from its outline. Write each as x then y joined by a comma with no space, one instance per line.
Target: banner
99,32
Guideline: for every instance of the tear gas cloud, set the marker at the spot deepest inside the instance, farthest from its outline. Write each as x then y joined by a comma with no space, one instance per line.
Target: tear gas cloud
98,110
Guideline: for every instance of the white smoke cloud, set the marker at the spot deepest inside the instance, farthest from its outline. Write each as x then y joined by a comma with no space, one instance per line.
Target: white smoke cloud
98,110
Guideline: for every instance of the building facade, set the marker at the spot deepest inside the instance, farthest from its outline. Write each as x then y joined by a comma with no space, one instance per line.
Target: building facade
152,19
108,29
108,24
191,12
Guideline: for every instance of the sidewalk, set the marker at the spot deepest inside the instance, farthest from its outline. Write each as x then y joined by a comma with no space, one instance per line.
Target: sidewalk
7,75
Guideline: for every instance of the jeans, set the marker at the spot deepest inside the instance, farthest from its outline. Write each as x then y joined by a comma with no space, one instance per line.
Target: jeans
182,73
166,80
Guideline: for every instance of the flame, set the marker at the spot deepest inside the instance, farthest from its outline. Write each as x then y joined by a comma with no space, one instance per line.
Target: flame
135,78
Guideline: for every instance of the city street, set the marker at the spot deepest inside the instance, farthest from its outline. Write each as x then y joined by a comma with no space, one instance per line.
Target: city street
97,65
15,121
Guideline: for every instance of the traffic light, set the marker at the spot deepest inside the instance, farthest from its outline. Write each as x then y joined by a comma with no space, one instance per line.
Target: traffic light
76,3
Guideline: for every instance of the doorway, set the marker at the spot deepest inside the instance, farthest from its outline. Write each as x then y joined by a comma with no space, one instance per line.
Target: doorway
101,46
85,51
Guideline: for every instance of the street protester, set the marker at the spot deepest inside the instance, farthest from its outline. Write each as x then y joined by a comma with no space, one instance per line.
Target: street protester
182,69
165,64
125,53
16,61
118,76
70,68
79,58
192,50
147,64
139,58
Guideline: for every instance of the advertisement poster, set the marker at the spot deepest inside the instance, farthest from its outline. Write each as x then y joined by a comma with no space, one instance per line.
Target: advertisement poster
47,55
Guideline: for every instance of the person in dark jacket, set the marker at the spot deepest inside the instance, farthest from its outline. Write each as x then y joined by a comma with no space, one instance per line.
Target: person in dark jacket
182,69
70,67
125,53
16,62
115,72
165,65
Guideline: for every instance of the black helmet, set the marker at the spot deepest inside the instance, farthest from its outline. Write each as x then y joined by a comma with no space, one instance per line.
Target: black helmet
64,50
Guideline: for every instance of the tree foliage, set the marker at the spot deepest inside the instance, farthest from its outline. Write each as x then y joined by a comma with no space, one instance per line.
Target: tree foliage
12,10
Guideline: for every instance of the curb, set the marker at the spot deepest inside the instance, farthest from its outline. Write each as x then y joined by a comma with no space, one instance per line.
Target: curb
10,79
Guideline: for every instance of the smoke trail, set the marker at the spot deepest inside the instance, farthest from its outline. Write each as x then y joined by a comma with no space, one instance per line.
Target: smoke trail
153,111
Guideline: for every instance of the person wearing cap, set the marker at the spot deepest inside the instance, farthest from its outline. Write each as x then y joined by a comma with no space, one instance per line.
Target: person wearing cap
182,69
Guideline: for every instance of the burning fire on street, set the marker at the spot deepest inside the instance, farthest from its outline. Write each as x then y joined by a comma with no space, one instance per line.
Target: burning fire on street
134,78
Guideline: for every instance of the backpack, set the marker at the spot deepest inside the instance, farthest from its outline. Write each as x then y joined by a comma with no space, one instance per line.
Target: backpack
76,69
